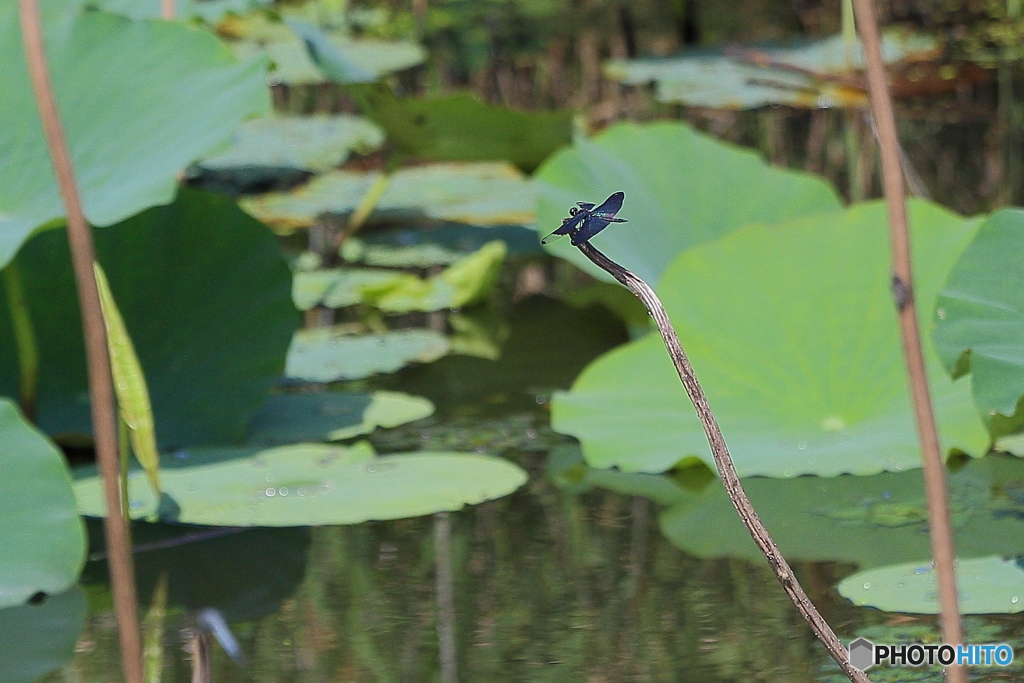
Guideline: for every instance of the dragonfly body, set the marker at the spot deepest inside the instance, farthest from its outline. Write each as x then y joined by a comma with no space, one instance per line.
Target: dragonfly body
585,221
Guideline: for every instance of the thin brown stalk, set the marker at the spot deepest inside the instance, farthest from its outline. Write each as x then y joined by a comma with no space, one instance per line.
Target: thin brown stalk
167,9
101,390
940,529
723,461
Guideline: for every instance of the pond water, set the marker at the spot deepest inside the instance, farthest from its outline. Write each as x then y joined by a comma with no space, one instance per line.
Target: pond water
559,581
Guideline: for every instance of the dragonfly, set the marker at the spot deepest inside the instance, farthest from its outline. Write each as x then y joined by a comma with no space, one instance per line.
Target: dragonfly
585,220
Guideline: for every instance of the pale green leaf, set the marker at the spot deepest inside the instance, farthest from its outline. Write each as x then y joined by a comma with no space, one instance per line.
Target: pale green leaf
129,383
139,102
792,333
683,188
309,484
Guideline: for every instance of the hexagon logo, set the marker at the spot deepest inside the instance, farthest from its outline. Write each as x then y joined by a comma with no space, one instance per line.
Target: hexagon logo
862,653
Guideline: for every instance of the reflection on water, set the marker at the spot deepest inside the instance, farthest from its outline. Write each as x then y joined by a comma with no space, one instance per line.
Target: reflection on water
556,582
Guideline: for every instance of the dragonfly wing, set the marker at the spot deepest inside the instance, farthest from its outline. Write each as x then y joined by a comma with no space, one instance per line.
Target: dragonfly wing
611,206
586,206
568,225
591,226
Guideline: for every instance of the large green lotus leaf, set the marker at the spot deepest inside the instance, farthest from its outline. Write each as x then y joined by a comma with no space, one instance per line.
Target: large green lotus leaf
139,101
40,638
871,521
795,77
683,188
979,316
985,585
327,355
332,416
313,143
210,11
205,295
42,542
462,128
310,485
792,333
479,193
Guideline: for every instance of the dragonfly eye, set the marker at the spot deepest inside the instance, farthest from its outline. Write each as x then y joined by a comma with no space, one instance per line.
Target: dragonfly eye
573,211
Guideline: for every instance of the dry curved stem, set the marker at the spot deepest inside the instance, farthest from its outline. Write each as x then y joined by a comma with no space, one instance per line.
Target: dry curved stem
101,390
723,461
939,527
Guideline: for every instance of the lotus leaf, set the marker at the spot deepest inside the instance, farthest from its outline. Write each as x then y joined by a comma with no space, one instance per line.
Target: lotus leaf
40,638
480,193
683,188
210,11
872,520
462,128
205,295
309,485
792,332
796,77
340,287
985,585
328,355
42,542
140,101
423,255
466,282
323,416
313,143
979,316
362,59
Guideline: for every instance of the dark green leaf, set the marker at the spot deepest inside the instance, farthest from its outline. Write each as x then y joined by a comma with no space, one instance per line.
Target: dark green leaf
205,294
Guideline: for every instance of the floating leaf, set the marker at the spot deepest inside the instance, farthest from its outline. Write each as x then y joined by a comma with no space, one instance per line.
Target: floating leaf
987,585
871,521
336,63
332,416
365,58
792,332
340,287
683,188
312,143
423,255
311,485
462,128
205,292
464,283
328,355
979,316
140,101
42,543
796,77
40,638
129,383
480,194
